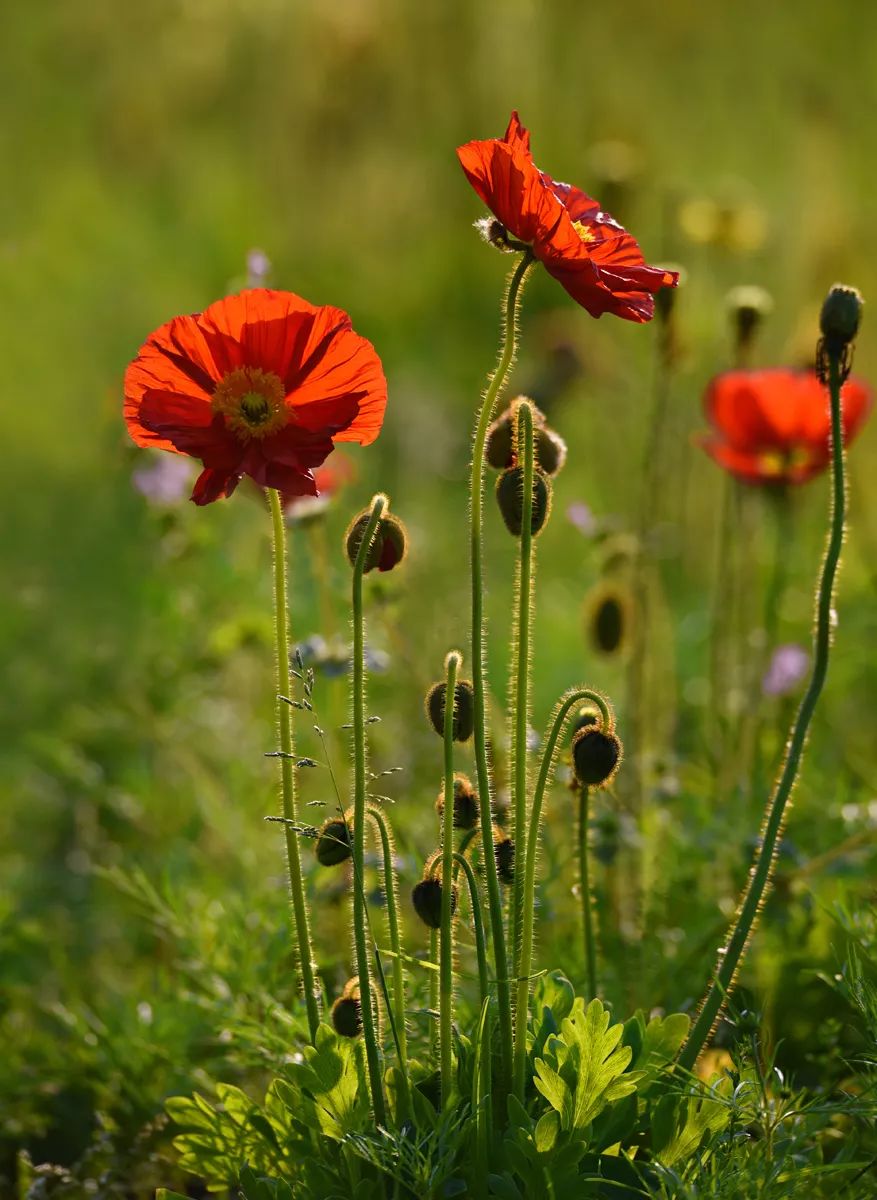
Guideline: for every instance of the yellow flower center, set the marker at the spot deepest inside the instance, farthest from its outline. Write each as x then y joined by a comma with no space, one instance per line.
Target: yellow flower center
251,400
776,463
586,234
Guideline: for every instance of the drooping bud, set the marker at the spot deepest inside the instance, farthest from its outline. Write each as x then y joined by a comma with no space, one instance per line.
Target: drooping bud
466,810
464,709
504,849
389,544
333,844
510,498
748,306
427,900
586,716
549,449
347,1011
596,756
608,618
500,451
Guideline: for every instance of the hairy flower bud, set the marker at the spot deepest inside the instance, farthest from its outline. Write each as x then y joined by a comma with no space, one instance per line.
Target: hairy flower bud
504,850
596,756
333,844
389,544
586,716
608,618
466,808
464,709
549,448
427,900
347,1011
841,314
510,498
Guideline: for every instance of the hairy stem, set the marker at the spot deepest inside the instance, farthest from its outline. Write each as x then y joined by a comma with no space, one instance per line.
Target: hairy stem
555,728
760,875
310,981
363,961
477,924
446,964
508,350
585,886
391,897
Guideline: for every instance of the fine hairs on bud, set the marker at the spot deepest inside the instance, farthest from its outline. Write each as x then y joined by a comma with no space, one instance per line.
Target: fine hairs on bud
839,323
427,900
510,498
389,543
596,756
504,850
466,807
347,1011
500,447
334,842
464,708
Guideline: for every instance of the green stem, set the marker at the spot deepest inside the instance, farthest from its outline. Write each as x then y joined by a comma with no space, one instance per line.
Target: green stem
391,897
497,379
586,897
433,989
310,981
363,962
477,923
753,896
555,728
521,661
446,963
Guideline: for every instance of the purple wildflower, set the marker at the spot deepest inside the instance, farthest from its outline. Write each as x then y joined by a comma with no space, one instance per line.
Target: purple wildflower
788,666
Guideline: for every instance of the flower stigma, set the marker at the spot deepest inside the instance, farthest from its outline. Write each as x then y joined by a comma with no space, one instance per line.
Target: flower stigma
252,402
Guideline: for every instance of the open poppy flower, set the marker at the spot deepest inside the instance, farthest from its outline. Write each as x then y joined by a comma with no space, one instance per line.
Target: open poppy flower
774,426
260,384
586,250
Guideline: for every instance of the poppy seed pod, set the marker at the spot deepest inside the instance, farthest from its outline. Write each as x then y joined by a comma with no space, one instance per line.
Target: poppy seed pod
427,900
464,709
347,1011
333,842
840,316
596,756
466,808
504,850
510,498
389,544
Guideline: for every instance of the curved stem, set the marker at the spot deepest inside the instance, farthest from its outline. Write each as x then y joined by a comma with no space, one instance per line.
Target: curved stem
391,896
446,963
363,962
754,893
521,661
477,922
555,728
310,981
497,379
585,887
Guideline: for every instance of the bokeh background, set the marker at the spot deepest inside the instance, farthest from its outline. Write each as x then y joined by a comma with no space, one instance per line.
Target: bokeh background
147,149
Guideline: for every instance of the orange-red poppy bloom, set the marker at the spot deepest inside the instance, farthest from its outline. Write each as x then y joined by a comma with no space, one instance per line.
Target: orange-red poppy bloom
260,384
586,250
774,426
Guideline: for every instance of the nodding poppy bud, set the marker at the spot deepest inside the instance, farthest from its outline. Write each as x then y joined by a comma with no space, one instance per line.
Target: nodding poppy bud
389,544
510,497
504,850
464,709
495,234
549,448
748,306
347,1011
427,901
333,842
608,612
596,756
840,317
466,810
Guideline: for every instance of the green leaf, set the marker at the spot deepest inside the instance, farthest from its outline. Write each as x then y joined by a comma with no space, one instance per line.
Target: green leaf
681,1123
660,1045
332,1082
547,1131
167,1194
585,1067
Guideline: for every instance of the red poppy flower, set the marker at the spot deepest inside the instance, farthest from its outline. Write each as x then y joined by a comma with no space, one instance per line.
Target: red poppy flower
260,384
774,426
586,250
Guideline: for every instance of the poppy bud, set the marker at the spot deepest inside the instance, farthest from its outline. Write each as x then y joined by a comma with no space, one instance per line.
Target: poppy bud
595,756
504,850
841,313
608,611
427,901
510,497
586,716
333,842
347,1011
665,298
389,544
466,810
464,709
499,443
495,234
748,306
549,449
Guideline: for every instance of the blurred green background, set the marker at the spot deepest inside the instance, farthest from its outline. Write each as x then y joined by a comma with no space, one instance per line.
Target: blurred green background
147,149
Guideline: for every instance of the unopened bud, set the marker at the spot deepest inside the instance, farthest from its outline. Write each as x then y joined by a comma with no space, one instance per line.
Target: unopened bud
510,498
466,810
347,1011
389,543
504,850
464,709
427,900
596,756
608,612
333,842
840,317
